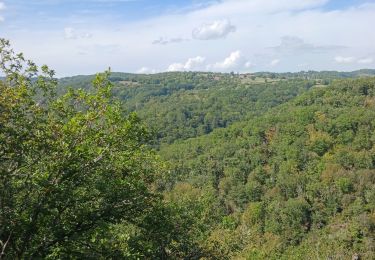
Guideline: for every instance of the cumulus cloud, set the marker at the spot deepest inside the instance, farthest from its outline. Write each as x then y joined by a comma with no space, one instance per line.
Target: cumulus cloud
165,41
366,61
70,33
194,62
215,30
344,60
235,61
191,64
231,62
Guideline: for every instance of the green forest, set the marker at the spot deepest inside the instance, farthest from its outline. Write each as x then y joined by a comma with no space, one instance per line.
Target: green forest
186,165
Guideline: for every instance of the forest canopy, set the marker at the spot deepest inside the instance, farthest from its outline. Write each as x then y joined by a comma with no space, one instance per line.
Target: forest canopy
190,165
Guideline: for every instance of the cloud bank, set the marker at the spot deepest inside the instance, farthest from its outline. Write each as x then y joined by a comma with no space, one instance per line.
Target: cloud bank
227,35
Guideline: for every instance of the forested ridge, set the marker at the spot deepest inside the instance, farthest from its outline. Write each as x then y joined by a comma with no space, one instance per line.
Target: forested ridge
186,165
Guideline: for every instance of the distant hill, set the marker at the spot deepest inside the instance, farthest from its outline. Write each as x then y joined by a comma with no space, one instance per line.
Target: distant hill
249,166
181,105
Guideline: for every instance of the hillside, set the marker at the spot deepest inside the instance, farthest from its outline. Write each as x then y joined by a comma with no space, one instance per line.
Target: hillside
264,165
296,182
186,165
187,129
178,106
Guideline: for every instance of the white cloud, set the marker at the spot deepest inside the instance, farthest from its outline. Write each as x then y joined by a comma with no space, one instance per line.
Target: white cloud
341,59
176,67
214,30
232,61
189,65
274,62
366,61
259,26
194,62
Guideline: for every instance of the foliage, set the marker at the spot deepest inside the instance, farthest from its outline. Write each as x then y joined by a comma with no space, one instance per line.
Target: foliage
257,166
297,174
71,167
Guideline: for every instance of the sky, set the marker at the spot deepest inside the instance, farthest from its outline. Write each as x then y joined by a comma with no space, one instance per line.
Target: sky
148,36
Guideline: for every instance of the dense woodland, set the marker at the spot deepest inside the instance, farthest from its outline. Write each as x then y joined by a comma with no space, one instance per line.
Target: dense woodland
186,165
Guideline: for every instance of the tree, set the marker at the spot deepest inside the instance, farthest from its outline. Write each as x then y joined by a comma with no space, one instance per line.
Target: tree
70,166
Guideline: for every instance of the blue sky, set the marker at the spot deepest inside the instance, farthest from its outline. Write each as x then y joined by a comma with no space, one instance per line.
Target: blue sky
144,36
40,10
